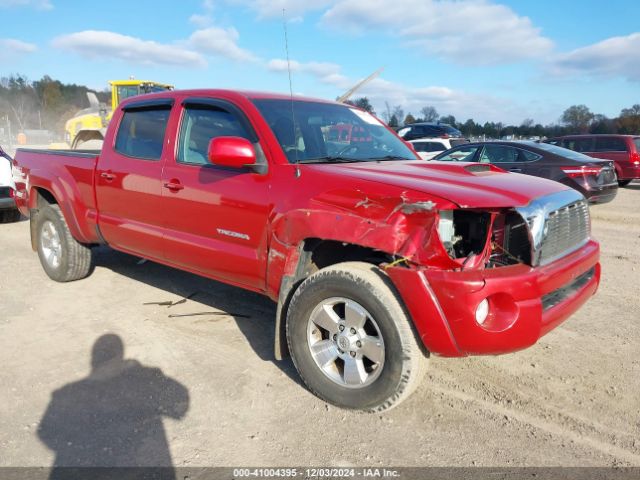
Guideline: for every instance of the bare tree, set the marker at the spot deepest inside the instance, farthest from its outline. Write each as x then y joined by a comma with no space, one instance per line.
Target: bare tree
398,112
429,114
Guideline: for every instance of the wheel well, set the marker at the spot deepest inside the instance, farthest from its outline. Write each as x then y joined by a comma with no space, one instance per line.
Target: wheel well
316,254
43,198
324,253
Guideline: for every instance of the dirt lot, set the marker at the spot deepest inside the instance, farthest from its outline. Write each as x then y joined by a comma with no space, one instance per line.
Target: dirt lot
571,400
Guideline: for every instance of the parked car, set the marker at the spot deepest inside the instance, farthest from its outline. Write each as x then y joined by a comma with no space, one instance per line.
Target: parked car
428,148
374,258
624,150
8,209
595,179
429,130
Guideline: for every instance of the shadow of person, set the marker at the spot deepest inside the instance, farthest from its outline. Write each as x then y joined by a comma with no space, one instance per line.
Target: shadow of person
112,418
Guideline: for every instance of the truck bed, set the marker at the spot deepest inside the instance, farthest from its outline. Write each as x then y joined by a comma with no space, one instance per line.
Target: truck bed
68,175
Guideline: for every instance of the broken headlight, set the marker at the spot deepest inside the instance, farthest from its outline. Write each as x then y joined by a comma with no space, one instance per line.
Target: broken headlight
463,232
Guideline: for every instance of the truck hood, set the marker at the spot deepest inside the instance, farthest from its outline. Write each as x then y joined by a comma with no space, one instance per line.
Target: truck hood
469,185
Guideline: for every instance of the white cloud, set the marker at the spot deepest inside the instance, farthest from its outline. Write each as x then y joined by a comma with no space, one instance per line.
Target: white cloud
470,32
329,73
37,4
220,42
616,56
204,19
11,48
294,9
447,101
109,45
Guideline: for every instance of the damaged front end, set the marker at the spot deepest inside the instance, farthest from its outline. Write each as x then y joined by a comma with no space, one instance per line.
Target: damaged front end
535,235
513,274
484,239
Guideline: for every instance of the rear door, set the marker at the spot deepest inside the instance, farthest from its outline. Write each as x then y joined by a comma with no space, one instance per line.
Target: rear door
216,217
613,148
128,175
506,157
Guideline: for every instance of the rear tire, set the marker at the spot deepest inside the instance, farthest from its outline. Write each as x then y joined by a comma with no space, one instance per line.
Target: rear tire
623,183
10,216
351,340
63,258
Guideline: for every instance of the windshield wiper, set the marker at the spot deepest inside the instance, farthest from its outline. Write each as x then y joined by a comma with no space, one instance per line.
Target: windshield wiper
329,159
389,158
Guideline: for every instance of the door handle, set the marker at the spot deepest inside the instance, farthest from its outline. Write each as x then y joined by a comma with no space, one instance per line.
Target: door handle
108,176
515,170
174,185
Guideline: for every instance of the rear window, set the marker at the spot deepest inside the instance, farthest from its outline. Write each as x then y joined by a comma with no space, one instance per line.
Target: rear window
429,147
637,143
455,143
579,144
563,152
141,133
610,144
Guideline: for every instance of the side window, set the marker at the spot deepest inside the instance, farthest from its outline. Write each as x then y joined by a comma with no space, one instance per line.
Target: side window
499,154
610,144
421,146
527,156
141,133
199,125
581,144
462,154
435,147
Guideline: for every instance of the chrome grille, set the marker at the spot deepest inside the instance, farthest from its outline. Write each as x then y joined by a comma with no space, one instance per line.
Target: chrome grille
558,225
566,230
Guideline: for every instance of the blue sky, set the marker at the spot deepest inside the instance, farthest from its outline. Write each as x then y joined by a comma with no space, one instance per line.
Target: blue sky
487,60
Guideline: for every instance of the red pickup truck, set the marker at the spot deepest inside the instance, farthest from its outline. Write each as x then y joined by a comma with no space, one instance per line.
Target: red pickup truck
375,258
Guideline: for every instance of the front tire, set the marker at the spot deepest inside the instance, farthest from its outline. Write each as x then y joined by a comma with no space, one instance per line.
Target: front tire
63,258
351,340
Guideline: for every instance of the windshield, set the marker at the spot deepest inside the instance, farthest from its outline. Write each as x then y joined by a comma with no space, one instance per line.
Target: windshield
311,132
563,152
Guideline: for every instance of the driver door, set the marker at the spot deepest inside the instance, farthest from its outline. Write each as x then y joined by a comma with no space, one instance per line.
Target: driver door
216,217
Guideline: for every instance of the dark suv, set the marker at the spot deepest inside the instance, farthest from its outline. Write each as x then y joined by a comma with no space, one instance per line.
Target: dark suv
624,150
426,130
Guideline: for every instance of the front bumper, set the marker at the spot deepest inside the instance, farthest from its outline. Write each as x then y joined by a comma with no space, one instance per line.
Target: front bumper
526,302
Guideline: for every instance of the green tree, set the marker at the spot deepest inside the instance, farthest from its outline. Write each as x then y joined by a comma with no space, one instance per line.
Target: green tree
393,121
363,103
629,120
470,128
577,118
449,119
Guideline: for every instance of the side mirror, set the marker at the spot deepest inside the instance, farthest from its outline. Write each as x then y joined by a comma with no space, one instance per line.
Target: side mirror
234,152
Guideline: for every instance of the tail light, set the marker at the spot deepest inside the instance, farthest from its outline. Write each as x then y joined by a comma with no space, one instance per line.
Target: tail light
635,158
444,135
574,172
12,193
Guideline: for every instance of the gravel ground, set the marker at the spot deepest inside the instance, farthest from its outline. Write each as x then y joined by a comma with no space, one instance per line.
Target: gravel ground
206,390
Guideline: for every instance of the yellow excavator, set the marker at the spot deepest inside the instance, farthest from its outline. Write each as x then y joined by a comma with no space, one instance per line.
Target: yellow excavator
90,124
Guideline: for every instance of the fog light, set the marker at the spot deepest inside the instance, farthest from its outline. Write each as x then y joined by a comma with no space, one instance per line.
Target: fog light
482,312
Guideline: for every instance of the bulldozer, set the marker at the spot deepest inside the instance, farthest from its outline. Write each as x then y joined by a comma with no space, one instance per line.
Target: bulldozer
87,128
